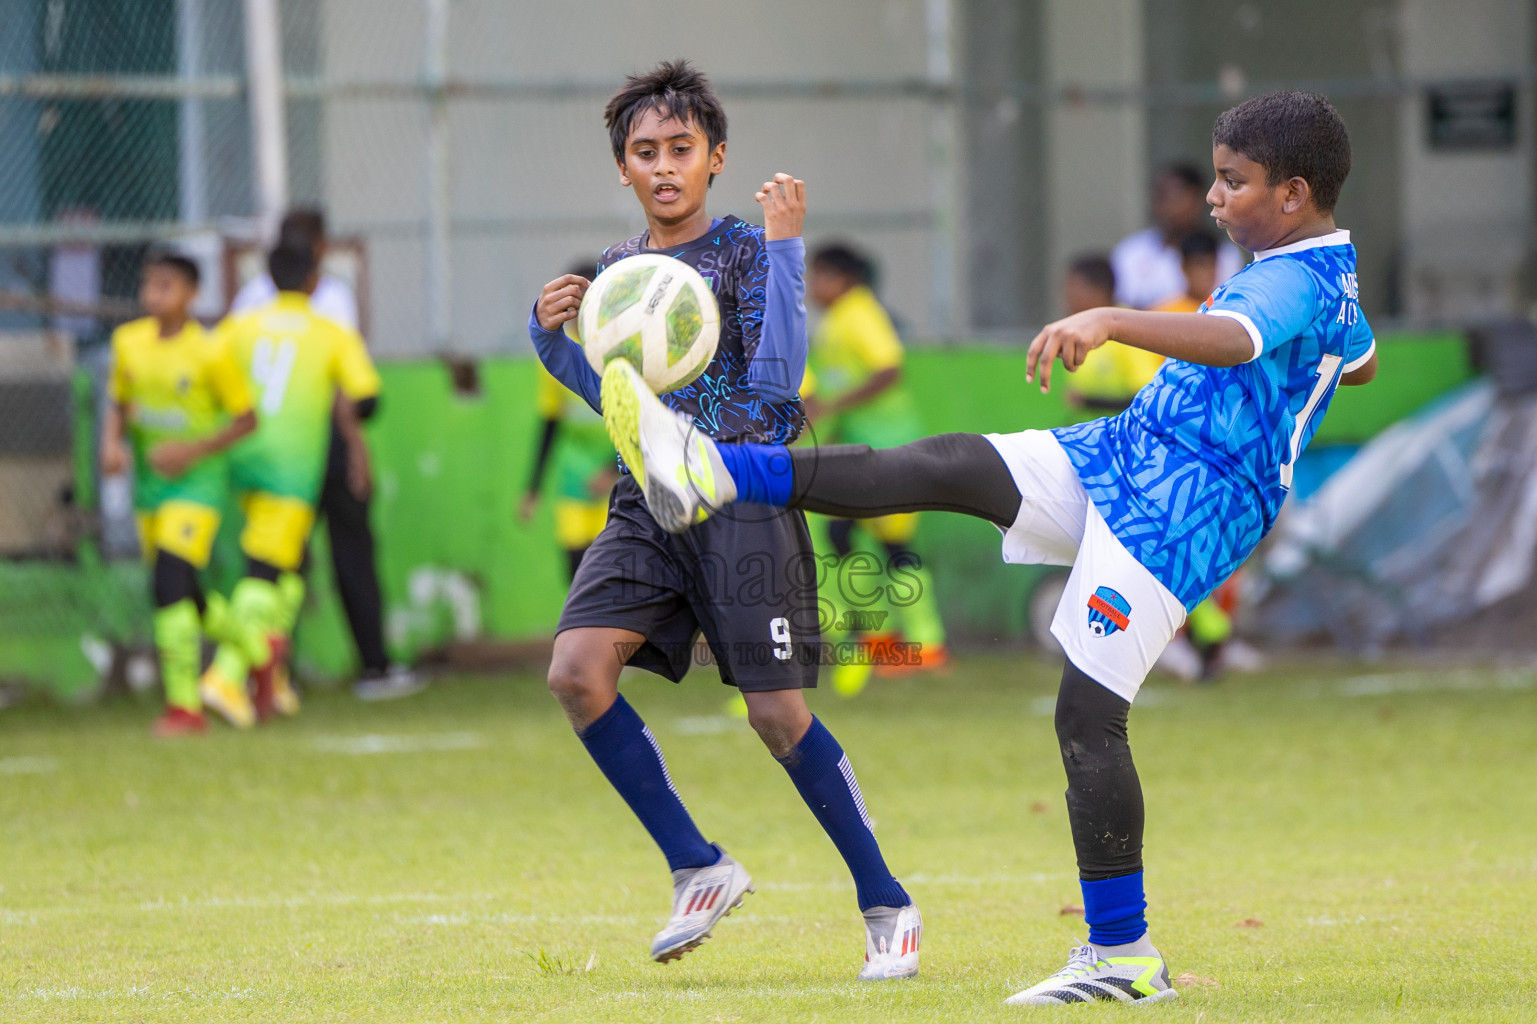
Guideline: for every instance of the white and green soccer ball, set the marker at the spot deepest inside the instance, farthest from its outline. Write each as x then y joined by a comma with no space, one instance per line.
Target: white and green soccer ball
655,311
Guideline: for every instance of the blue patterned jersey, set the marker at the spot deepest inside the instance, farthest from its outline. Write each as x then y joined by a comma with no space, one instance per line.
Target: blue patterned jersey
1193,474
733,257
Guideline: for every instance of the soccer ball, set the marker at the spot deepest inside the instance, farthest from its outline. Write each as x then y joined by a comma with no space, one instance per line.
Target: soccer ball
655,311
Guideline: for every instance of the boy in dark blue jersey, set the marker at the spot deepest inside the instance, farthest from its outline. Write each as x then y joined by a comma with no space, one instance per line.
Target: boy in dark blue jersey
746,581
1152,508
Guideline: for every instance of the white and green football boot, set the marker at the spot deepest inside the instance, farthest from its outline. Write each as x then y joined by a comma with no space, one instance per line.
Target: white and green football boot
700,898
677,465
1088,976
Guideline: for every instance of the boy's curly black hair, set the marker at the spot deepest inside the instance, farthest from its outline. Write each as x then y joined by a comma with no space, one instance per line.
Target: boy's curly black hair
674,88
1291,135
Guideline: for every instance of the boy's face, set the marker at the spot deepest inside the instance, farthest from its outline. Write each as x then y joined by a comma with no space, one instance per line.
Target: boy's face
1254,215
1200,275
165,293
1079,294
669,162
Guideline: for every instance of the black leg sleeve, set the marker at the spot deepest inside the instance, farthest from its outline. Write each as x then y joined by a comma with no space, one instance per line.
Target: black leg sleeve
1104,795
947,473
175,579
352,560
840,534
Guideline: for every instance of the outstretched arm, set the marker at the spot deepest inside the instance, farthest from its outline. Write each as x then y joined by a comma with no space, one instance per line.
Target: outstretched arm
563,357
779,361
1188,337
173,458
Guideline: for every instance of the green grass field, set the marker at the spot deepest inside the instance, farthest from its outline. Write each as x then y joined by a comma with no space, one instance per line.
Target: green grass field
1325,844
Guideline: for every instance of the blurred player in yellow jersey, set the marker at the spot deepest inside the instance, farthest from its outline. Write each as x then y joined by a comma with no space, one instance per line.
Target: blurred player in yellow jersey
1112,374
856,396
1210,624
301,366
179,400
1110,378
574,447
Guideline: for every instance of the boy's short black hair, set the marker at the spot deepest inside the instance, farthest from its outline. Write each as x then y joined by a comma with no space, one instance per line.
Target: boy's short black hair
845,260
583,268
1198,245
176,263
1291,135
675,89
1095,270
291,266
1186,173
305,225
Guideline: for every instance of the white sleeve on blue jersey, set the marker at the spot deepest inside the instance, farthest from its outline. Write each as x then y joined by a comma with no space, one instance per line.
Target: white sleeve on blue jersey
1361,347
1274,300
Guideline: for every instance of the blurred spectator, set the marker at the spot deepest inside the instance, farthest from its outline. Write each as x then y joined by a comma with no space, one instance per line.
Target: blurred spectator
572,438
1113,373
1147,264
1198,262
343,501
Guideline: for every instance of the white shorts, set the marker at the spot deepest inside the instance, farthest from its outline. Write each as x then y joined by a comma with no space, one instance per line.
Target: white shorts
1115,617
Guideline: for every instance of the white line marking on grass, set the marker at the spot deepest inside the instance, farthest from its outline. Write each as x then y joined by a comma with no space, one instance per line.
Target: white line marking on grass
28,765
1431,682
308,900
706,725
923,878
374,743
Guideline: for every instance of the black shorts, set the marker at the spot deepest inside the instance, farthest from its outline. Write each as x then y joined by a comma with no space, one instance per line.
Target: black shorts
745,578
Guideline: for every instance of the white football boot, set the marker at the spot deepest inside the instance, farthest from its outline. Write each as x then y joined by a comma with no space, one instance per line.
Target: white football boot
1088,976
892,935
700,898
677,465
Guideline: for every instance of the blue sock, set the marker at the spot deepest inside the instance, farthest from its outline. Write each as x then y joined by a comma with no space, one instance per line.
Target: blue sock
762,472
1115,910
820,770
631,760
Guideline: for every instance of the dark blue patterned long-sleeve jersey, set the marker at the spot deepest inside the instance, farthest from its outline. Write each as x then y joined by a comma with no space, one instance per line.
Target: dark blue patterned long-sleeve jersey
733,257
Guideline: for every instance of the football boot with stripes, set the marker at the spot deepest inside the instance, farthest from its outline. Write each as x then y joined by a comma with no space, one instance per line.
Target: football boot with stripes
1089,977
892,935
677,465
700,898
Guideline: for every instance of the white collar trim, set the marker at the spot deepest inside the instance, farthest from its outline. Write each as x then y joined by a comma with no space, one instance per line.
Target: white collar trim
1332,238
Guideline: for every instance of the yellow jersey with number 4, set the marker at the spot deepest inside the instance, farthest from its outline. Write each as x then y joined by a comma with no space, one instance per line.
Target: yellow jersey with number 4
297,361
183,388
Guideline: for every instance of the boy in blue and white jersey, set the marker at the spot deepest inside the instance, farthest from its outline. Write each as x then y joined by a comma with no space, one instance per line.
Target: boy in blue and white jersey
641,596
1152,508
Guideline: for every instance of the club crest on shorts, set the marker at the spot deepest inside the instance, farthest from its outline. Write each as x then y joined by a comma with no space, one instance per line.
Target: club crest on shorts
1109,612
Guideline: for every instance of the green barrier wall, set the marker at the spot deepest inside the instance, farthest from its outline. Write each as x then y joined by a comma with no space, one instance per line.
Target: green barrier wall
455,560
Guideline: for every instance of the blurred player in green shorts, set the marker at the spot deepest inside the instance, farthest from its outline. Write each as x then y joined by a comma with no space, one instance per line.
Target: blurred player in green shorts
854,382
179,400
297,362
574,446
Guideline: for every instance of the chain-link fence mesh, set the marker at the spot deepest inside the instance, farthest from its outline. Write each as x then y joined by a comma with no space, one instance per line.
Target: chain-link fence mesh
458,150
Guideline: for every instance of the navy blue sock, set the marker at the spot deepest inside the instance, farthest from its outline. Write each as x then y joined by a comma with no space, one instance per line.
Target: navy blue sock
1115,909
631,760
762,472
820,770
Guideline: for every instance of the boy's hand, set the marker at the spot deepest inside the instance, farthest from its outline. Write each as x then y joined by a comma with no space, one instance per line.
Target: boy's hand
114,458
1070,338
784,206
173,458
560,300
